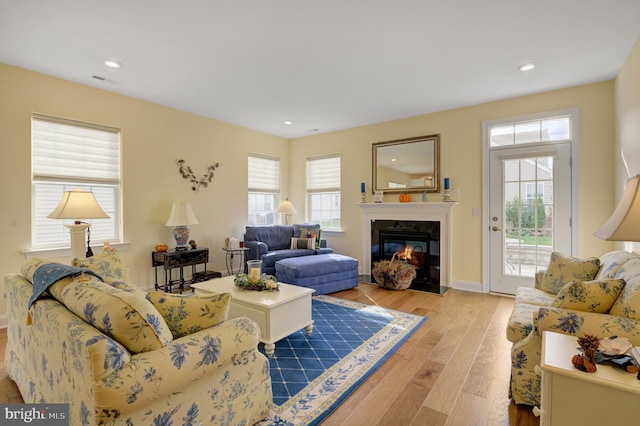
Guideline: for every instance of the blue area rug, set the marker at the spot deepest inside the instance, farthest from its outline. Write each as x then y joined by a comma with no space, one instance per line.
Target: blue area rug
312,375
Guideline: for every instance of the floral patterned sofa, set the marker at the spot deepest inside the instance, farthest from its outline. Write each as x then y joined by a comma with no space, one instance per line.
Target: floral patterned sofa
119,355
593,296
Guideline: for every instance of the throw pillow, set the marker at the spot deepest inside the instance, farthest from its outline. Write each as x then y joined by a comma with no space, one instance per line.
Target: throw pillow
314,231
29,267
125,316
186,315
589,296
564,269
303,243
107,264
628,304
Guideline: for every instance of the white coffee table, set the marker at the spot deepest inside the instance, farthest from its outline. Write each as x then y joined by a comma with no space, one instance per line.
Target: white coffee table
278,313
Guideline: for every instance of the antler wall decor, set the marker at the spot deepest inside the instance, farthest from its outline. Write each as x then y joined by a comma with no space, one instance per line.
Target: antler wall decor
187,173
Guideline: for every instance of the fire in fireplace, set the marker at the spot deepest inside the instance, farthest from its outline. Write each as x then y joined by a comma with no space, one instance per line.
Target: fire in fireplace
416,242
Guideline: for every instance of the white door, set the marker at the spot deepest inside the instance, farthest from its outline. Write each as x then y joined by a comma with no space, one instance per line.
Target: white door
529,212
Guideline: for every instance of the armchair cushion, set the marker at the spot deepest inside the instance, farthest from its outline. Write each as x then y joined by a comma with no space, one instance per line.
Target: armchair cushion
275,237
589,296
521,321
186,315
564,269
123,315
107,264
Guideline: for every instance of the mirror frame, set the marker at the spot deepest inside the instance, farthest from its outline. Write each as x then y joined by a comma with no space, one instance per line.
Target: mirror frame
436,166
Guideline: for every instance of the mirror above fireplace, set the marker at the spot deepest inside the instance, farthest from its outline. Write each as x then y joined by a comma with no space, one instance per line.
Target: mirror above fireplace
407,165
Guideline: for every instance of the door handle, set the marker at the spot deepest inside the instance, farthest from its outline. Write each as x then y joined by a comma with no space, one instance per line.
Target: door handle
495,228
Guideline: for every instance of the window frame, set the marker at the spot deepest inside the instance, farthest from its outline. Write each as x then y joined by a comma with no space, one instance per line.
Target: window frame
70,181
256,191
325,190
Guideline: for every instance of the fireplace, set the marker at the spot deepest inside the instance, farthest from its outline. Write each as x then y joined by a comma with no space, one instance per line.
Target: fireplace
414,242
432,241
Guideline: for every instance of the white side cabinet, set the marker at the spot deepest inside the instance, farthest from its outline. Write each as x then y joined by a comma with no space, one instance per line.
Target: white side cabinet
610,396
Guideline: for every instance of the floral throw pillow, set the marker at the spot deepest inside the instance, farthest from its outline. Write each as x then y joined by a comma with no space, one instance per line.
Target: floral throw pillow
564,269
186,315
589,296
628,304
107,264
123,315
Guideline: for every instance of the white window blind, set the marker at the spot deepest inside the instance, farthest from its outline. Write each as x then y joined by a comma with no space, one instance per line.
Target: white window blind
324,192
323,174
64,150
264,174
67,155
264,189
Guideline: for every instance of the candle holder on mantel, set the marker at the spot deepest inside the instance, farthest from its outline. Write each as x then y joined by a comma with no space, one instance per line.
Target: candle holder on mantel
363,197
446,196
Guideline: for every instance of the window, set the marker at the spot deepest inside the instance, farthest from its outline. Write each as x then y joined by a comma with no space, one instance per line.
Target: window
264,189
534,190
534,131
67,155
323,191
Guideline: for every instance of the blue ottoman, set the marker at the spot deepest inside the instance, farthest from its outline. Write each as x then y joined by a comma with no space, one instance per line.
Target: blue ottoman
325,273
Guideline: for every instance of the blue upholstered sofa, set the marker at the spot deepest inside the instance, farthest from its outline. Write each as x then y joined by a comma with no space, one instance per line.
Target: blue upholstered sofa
273,243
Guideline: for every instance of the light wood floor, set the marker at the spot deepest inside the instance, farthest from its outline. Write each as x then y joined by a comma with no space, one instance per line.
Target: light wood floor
453,371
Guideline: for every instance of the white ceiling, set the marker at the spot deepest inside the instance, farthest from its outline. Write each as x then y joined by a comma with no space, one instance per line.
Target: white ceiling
325,65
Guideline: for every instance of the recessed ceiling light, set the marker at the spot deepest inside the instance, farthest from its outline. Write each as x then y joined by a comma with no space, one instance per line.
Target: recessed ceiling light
112,63
288,123
527,67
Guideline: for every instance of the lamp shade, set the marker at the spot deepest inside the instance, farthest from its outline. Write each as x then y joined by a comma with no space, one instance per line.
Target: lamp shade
286,207
182,215
78,205
624,223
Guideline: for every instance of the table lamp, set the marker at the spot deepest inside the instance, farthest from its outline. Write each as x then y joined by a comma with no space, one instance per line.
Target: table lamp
624,223
78,205
181,217
286,208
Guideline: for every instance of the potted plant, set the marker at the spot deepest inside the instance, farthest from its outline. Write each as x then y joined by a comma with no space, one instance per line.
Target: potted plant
394,274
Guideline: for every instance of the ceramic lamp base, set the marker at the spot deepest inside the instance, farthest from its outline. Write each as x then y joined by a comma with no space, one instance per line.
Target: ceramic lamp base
181,235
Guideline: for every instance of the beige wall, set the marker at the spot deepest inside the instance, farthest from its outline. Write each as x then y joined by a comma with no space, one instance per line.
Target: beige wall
461,160
154,138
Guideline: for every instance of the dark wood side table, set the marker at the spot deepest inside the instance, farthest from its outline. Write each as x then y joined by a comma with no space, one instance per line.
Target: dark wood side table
179,259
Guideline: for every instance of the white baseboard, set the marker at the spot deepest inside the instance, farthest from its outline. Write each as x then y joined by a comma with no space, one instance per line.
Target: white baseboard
467,286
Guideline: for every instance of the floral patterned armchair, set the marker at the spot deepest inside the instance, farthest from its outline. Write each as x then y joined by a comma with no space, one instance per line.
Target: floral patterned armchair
118,355
599,297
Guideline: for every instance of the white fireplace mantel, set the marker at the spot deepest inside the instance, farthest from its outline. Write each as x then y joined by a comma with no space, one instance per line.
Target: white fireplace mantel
428,211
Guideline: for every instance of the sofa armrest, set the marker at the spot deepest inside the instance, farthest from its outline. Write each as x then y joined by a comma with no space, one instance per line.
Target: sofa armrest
155,374
256,250
579,323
